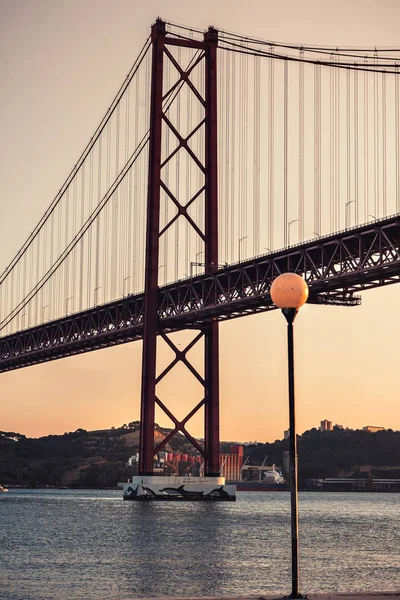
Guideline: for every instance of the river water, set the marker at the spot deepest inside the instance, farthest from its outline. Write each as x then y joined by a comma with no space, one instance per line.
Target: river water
90,545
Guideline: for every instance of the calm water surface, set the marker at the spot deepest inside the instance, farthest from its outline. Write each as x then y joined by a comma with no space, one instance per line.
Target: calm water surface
87,545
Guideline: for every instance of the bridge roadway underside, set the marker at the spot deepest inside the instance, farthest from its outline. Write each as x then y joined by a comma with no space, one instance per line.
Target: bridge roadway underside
335,267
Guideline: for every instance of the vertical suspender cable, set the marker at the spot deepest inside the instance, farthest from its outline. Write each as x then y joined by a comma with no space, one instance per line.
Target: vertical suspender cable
113,293
285,153
136,226
241,152
376,140
355,125
51,254
37,277
166,179
188,183
44,300
384,165
332,147
228,183
177,174
347,212
233,136
129,199
397,135
127,204
256,158
60,246
98,222
82,242
75,281
317,149
89,274
107,218
366,144
271,170
337,154
221,156
301,148
245,117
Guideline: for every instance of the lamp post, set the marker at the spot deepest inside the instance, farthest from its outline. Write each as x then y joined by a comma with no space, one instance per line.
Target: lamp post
66,304
288,228
245,237
125,279
289,292
44,313
95,293
346,212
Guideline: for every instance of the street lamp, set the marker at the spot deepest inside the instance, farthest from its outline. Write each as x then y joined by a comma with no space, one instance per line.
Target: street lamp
288,229
66,303
44,309
289,292
95,293
346,212
123,284
245,237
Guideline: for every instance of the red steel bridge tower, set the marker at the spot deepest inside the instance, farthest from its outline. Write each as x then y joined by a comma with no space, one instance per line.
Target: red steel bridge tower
161,47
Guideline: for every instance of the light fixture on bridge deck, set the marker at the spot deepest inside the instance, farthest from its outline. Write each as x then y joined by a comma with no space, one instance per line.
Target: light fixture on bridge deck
289,292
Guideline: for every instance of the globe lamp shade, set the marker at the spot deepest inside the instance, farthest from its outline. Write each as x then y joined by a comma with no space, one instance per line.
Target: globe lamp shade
289,291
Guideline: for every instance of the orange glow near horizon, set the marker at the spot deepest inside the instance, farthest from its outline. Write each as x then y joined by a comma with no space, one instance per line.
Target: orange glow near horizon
61,66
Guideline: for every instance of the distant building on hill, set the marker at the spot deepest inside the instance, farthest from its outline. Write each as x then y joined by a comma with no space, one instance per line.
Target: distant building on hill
326,425
373,428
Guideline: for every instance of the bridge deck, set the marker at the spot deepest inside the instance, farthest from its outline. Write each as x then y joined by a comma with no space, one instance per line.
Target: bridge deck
335,267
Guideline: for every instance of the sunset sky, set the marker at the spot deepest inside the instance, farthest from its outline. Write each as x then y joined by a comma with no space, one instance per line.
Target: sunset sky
60,65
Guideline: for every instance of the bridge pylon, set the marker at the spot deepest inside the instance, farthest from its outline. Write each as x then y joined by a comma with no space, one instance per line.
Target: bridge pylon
206,59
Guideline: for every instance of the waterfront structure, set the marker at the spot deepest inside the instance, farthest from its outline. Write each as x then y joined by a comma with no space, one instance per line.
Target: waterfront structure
175,488
326,425
355,484
373,428
231,465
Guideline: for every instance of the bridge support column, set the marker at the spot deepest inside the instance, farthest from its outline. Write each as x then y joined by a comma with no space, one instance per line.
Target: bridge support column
211,408
211,343
147,410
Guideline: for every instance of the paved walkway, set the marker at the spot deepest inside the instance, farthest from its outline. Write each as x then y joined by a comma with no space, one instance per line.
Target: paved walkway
361,596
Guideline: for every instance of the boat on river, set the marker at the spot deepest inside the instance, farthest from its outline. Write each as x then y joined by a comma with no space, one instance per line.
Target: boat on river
271,482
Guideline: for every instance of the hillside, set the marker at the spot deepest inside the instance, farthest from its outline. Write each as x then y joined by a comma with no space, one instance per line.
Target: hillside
338,453
98,458
77,459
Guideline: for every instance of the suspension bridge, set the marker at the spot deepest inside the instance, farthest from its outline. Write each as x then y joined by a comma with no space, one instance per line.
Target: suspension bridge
222,162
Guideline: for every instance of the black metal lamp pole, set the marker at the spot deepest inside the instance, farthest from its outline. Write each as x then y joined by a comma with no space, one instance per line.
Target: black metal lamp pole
289,292
290,315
